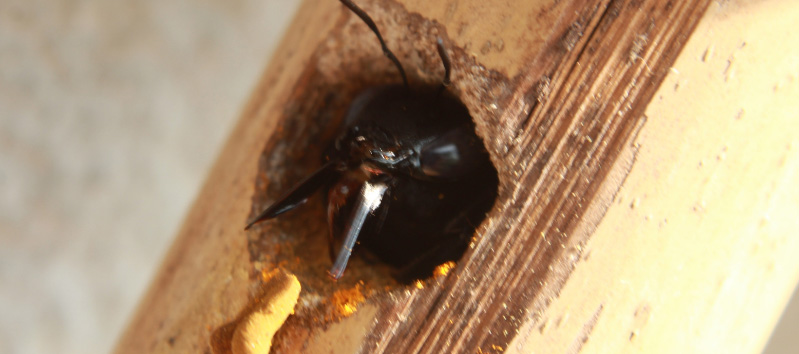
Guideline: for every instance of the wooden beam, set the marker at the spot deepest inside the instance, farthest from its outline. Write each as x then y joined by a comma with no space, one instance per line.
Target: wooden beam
633,213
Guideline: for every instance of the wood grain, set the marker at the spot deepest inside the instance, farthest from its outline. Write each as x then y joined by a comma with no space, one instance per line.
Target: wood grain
560,91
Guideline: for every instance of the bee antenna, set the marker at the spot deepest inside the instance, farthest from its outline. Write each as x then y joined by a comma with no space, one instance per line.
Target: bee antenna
368,20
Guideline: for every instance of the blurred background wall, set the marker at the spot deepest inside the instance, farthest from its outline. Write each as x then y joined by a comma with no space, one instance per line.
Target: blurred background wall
111,112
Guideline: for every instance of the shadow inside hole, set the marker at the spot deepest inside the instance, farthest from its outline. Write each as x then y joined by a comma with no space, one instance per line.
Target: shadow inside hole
298,240
423,221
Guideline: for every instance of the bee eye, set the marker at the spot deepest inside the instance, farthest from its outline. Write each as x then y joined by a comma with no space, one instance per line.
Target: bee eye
451,155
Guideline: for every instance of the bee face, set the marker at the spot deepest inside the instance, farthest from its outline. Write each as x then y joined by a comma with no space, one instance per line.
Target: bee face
407,179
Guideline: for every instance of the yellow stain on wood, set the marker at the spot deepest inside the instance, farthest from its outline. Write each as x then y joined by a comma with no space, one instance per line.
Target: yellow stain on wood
255,331
346,301
444,269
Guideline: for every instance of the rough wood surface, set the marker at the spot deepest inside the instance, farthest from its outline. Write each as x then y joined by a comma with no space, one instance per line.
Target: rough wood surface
574,252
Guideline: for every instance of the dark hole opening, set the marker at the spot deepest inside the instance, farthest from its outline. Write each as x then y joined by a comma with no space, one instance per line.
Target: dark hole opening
313,117
438,176
434,200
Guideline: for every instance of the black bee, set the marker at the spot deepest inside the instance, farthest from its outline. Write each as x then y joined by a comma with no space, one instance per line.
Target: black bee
407,178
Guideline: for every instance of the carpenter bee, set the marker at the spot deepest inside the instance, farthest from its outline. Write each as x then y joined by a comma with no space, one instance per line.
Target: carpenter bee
407,178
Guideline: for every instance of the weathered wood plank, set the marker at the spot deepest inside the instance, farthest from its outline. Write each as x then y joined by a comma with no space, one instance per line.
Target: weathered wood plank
558,91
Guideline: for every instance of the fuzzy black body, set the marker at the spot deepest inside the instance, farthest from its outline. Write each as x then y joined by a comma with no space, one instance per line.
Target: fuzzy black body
441,181
407,179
